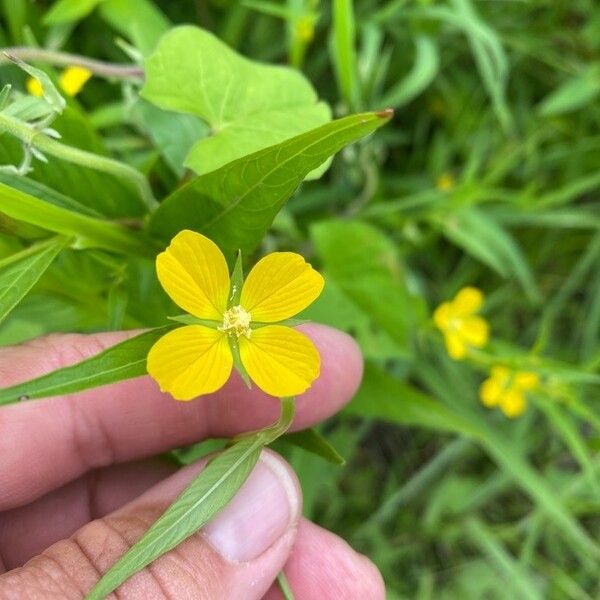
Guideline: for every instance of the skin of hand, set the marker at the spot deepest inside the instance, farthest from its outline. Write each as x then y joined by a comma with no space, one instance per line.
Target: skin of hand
79,486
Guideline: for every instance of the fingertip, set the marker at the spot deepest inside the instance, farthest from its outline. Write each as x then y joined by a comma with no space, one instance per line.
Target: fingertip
322,565
341,371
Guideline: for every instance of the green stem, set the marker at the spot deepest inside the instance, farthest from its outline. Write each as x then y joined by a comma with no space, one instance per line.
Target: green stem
102,69
284,586
31,136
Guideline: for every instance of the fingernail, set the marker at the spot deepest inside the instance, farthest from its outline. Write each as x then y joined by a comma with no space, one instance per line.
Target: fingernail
261,512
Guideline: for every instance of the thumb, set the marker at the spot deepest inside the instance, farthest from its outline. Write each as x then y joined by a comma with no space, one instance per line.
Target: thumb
237,555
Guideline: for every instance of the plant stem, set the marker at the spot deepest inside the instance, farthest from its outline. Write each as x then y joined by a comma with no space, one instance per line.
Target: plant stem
29,135
284,586
102,69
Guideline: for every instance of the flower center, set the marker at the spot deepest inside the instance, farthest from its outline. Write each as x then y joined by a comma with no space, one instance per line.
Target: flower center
236,320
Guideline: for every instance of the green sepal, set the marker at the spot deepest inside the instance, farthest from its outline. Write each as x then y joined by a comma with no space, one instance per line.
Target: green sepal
237,281
192,320
237,361
286,322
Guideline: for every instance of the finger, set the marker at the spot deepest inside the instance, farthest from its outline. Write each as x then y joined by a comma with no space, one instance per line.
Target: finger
28,530
236,556
44,444
322,566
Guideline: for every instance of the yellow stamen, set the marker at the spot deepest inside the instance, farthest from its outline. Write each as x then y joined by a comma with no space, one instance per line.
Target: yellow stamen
236,320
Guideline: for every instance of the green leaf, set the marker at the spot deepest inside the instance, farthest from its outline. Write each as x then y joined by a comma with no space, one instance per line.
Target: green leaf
385,397
106,195
138,20
43,192
423,72
236,204
574,94
366,266
212,489
335,307
249,106
20,272
312,441
343,51
121,361
88,231
173,134
514,574
482,237
216,485
67,11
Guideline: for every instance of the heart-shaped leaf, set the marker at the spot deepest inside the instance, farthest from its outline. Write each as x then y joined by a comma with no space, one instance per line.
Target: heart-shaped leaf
248,105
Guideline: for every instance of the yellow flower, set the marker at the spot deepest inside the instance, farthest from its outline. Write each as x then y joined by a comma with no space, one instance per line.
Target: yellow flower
461,327
197,359
72,79
506,389
34,87
445,182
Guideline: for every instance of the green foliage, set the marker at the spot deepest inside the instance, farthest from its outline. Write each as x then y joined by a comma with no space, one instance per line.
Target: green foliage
196,505
20,272
125,360
235,204
487,176
247,105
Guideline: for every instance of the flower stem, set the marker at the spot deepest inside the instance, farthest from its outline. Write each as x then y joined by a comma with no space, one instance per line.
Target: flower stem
32,136
99,68
284,586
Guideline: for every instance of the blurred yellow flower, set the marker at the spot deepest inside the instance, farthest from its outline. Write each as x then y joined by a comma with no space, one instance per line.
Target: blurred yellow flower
506,389
71,81
462,328
34,87
197,359
445,182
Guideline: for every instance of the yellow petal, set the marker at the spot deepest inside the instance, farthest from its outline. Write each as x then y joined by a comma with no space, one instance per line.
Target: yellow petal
468,301
193,271
279,286
280,360
455,345
442,316
490,392
525,380
73,79
190,361
513,403
34,87
475,331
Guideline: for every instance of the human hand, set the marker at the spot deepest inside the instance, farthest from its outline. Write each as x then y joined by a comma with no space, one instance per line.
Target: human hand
77,486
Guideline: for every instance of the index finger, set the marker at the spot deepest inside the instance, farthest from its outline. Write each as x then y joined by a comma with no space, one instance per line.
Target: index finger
46,443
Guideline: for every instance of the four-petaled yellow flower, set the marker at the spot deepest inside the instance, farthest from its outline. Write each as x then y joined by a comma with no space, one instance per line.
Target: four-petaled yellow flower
197,359
462,328
71,81
506,389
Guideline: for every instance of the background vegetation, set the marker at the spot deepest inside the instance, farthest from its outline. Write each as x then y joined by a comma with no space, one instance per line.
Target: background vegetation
488,176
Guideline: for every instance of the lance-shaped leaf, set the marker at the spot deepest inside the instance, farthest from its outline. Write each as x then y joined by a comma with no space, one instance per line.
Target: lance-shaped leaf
197,504
248,105
88,231
121,361
236,204
20,272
